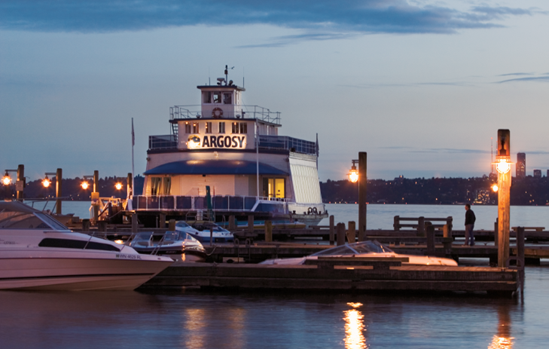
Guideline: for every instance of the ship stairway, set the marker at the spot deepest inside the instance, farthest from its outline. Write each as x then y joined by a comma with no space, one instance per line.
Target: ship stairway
175,129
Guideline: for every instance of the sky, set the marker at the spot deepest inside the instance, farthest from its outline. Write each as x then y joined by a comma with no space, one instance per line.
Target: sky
421,86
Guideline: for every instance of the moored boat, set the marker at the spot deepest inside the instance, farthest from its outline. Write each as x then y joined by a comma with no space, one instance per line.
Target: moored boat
38,252
225,158
179,245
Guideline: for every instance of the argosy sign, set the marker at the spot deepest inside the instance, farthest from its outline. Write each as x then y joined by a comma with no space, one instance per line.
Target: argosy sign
222,141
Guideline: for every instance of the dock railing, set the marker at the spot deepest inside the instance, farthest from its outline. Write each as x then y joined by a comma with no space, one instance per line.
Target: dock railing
419,223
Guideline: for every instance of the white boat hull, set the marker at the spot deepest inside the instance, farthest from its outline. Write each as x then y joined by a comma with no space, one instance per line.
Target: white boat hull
78,273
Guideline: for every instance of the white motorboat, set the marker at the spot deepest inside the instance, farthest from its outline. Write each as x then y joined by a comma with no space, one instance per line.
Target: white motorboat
203,230
178,245
38,252
364,249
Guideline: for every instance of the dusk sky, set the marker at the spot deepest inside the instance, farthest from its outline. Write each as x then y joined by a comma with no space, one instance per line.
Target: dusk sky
421,86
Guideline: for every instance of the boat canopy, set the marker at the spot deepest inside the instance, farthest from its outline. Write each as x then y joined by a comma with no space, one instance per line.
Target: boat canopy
214,167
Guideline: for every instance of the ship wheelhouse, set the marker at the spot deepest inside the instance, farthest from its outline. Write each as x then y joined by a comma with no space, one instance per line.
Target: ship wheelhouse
227,158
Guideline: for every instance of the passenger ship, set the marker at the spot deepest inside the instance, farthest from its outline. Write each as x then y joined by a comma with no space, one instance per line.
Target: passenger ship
225,158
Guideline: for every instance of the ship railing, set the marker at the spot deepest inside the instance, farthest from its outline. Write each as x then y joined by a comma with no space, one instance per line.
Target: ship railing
218,203
245,112
287,143
163,142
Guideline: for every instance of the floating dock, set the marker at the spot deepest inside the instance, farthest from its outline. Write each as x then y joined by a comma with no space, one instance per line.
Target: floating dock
340,274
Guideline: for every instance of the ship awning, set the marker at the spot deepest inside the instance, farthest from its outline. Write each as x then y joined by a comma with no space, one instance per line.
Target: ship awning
214,167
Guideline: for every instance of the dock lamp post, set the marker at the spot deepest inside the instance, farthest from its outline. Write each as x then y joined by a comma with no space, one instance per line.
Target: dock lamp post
58,187
360,176
19,184
503,167
95,194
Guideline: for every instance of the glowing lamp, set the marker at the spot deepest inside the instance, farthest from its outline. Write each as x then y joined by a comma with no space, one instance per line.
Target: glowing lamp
353,173
6,180
118,185
494,188
503,166
85,185
46,182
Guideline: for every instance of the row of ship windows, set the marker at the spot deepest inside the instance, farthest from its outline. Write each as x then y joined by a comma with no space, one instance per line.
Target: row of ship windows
218,97
236,127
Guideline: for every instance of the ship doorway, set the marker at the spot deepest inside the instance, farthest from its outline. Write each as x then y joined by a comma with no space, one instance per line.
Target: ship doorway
274,188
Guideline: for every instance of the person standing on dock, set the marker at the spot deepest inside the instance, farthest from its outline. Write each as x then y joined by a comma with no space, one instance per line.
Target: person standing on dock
469,225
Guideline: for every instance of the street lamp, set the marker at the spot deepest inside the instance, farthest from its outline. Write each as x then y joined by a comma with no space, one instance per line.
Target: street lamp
118,186
58,187
353,173
6,180
19,184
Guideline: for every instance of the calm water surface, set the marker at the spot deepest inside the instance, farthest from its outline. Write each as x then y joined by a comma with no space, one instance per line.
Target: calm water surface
197,319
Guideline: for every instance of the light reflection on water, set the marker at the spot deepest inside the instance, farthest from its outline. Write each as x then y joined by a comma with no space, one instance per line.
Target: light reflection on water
354,327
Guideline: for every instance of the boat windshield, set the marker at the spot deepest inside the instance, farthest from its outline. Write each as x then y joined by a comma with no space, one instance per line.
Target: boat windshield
206,227
182,224
28,220
361,247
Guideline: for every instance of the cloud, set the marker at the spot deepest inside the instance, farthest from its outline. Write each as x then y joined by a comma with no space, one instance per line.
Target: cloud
528,79
436,150
321,19
515,74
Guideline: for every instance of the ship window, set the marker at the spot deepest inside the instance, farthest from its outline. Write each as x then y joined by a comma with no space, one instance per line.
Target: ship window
274,188
221,127
217,97
243,127
80,244
207,97
166,185
196,128
155,185
187,127
227,98
235,127
208,128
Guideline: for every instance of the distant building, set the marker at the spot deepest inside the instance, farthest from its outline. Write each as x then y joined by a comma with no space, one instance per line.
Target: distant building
521,165
537,173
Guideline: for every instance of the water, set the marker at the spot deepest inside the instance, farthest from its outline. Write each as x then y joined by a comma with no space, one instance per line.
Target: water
196,319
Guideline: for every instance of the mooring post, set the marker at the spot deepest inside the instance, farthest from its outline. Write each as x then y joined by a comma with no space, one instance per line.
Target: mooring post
450,224
332,230
171,225
421,226
504,195
447,240
232,224
134,223
250,223
268,231
430,232
520,248
396,223
340,234
85,225
351,232
162,220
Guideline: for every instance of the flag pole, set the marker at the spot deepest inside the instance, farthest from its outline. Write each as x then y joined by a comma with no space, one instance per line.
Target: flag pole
133,145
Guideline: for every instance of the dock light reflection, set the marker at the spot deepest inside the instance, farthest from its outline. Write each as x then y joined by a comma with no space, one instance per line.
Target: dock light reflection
354,327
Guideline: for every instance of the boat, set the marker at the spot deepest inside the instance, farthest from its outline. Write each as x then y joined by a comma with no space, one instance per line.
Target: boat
367,248
225,158
181,246
37,252
206,231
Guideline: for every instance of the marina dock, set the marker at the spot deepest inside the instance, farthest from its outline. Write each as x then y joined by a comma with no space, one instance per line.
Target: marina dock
339,274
